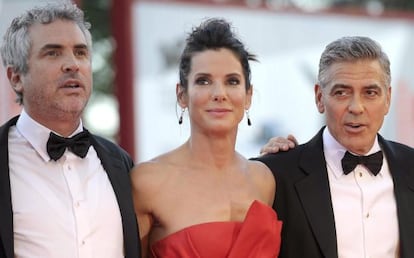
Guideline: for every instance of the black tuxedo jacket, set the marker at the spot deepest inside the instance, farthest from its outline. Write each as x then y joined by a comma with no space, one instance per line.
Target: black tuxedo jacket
117,165
303,200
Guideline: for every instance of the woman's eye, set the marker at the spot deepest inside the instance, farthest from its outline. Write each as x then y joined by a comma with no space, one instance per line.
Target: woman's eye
202,81
234,81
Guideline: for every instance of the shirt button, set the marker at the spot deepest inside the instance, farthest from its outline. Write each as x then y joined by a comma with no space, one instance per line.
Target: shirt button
77,204
83,242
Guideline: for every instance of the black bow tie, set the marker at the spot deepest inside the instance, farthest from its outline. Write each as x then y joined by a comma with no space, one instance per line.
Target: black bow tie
373,162
78,144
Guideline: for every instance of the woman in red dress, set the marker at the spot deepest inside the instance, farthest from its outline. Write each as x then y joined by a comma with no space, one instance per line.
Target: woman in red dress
204,199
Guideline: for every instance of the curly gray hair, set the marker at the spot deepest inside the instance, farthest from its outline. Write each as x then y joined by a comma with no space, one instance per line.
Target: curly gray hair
16,43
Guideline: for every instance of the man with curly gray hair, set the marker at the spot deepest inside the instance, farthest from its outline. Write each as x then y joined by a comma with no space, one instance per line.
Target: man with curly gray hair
64,192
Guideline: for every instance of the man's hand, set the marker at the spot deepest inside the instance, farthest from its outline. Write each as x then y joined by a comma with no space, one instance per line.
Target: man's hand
276,144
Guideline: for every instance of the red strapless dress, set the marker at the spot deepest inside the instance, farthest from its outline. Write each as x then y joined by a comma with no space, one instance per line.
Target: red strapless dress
258,236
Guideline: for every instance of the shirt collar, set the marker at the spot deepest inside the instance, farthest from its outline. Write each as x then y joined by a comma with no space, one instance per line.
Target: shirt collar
334,151
36,134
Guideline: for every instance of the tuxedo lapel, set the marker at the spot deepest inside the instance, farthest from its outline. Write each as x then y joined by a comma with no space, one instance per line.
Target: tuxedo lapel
6,213
400,165
112,164
315,197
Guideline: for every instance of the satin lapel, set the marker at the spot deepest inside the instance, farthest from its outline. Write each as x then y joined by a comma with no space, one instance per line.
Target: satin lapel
401,166
314,194
6,213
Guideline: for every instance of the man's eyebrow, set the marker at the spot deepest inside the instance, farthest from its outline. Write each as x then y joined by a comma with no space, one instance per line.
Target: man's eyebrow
340,85
58,46
345,86
373,86
81,46
51,46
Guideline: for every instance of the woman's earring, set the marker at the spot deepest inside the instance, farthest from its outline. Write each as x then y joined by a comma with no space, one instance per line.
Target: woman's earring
249,123
180,120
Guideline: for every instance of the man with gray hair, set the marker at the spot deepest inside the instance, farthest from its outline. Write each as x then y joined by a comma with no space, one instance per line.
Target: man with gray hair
348,192
64,192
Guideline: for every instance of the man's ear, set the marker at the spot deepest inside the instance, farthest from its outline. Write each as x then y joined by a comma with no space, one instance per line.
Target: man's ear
15,79
388,100
319,98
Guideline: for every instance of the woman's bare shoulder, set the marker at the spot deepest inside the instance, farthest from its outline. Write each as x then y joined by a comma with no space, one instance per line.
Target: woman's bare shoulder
150,174
260,169
264,179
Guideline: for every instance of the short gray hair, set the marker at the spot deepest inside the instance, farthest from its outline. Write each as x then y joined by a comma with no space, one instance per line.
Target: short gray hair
350,49
16,43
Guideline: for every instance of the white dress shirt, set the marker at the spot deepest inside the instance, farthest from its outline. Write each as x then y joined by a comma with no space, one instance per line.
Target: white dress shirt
64,208
364,206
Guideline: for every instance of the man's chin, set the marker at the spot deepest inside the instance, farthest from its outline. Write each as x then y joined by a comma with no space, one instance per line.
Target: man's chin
360,147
